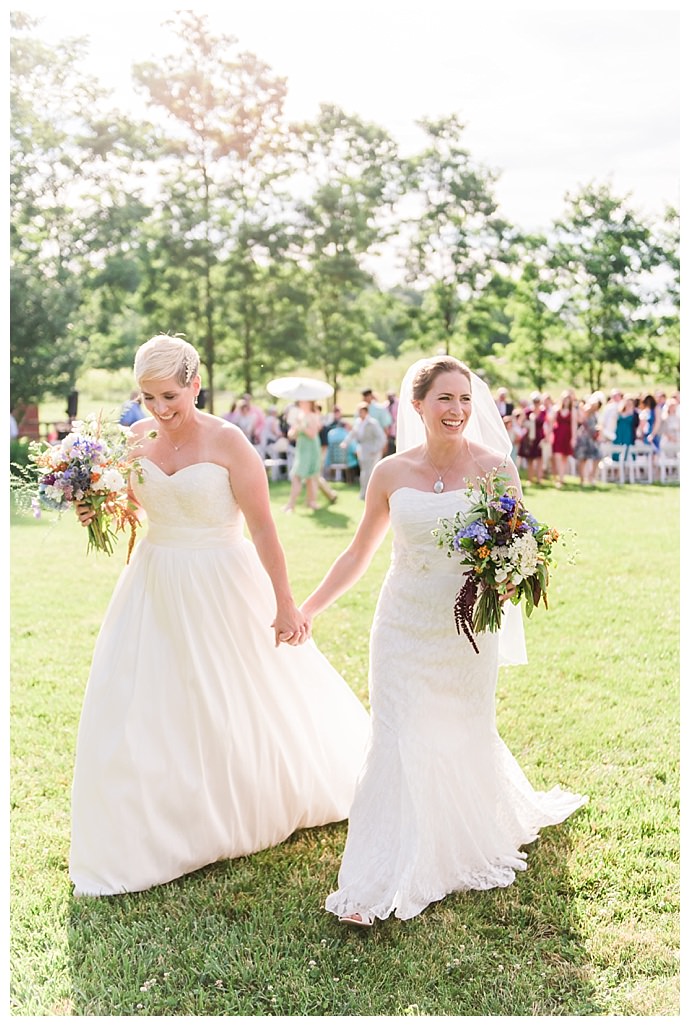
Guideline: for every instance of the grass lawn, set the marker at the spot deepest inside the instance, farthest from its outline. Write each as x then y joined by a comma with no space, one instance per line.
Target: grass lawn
592,926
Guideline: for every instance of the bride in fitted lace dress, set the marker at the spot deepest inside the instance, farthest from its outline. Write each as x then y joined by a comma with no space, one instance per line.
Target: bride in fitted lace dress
211,724
441,804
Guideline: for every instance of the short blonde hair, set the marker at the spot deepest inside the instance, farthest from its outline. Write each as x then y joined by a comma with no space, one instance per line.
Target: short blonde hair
166,356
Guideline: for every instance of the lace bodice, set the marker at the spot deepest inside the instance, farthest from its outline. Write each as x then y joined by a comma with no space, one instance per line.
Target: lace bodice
414,515
425,571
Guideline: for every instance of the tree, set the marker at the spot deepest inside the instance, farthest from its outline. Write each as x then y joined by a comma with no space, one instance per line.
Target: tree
268,318
353,183
664,347
73,209
215,213
44,286
603,257
39,317
391,315
535,343
455,240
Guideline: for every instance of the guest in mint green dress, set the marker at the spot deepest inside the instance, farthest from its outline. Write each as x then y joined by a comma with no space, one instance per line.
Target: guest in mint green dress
306,467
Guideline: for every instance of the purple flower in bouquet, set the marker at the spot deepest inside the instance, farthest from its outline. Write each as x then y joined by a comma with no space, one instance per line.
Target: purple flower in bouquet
507,503
476,531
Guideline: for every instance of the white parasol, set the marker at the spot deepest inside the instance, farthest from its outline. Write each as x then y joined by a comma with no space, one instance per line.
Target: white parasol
295,389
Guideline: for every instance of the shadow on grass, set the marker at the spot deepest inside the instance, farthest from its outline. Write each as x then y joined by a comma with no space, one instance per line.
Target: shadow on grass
250,937
330,516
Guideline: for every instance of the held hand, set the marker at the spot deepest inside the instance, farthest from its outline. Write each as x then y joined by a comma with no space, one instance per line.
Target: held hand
293,628
510,590
85,513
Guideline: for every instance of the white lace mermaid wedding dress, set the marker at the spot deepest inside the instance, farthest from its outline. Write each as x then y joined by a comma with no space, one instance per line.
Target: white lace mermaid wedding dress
199,740
441,805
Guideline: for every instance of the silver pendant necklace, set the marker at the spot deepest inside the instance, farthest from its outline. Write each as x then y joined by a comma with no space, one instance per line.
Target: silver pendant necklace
439,485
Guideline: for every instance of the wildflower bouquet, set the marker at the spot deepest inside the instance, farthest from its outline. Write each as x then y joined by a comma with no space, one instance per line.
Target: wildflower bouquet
502,544
89,467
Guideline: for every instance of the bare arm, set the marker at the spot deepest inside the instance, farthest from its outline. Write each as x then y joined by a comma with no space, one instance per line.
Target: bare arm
354,560
250,487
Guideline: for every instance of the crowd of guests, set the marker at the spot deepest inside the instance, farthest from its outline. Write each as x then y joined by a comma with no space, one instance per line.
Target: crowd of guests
551,437
569,435
348,447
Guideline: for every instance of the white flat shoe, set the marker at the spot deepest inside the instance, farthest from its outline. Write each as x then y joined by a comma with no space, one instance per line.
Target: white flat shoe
356,919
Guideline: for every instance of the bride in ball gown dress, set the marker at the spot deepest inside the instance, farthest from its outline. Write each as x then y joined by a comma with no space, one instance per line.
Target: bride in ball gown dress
202,736
441,805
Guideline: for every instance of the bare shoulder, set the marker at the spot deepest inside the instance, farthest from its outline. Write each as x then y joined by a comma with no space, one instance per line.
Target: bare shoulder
485,458
221,429
489,461
140,433
228,442
141,428
393,471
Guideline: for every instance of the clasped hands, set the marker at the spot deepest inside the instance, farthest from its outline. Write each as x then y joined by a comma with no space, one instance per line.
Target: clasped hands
294,629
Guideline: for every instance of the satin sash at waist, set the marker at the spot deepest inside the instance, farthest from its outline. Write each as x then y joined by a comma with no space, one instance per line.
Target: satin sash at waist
194,537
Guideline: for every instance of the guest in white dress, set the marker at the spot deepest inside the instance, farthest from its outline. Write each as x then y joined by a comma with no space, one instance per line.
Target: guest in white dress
441,804
212,725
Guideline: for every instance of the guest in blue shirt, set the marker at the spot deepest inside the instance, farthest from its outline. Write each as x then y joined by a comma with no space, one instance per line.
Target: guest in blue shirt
132,411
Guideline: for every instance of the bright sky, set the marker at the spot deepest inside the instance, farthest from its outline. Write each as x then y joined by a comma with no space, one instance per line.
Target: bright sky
552,99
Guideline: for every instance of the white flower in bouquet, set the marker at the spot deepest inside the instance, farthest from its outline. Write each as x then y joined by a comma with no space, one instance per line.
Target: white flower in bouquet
111,481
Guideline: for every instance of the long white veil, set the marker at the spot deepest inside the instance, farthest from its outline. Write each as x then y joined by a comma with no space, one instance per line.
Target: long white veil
486,428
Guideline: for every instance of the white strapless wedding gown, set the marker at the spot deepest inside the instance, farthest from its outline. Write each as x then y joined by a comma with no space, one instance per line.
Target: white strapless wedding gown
442,805
199,740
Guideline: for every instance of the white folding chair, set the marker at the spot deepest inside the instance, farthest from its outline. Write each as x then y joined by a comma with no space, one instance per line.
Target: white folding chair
612,463
639,463
668,462
277,469
336,471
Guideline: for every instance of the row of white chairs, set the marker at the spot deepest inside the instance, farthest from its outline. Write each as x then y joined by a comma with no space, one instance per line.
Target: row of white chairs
278,464
278,468
638,464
